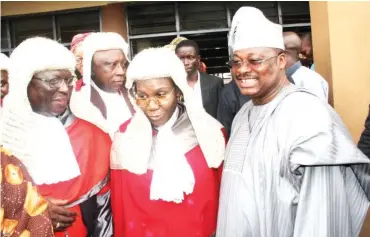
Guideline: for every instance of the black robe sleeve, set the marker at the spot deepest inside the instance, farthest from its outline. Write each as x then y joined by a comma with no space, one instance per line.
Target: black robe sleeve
364,143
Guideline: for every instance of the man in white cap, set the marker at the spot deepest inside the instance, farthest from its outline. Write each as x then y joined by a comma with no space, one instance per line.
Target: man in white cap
100,97
302,76
67,157
291,168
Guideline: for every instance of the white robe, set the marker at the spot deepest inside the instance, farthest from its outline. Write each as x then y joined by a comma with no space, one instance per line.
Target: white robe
290,174
311,81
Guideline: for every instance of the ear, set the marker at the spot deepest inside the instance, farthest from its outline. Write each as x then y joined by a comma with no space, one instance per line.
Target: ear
282,61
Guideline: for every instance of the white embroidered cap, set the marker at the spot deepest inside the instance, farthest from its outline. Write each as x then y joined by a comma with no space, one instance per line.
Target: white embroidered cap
40,142
250,29
158,63
4,62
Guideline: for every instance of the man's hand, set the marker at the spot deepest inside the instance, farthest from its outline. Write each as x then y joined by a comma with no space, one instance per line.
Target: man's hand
61,217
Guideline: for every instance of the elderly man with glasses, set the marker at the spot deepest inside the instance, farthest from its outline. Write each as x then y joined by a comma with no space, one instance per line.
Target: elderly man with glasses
67,157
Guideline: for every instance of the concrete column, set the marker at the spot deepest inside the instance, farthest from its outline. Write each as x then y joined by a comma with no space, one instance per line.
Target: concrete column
114,19
341,43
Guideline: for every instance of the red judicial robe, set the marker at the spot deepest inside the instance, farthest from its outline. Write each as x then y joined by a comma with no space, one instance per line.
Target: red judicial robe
91,147
135,215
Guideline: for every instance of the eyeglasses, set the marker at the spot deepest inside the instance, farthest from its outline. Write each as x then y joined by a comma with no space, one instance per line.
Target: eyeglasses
143,101
56,83
254,64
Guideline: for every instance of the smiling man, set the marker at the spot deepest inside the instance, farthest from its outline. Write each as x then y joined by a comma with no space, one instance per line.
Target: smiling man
207,88
291,168
67,157
100,97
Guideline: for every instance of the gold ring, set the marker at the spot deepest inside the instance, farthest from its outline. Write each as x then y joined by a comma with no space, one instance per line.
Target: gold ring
57,226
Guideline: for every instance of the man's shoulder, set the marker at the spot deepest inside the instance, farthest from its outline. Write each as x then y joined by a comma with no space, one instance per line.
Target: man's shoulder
212,78
87,128
304,107
306,72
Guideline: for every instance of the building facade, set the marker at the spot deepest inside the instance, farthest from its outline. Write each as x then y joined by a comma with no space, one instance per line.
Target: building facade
146,24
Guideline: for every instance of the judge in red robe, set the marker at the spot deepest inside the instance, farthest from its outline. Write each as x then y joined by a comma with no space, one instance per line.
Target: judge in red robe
166,161
67,157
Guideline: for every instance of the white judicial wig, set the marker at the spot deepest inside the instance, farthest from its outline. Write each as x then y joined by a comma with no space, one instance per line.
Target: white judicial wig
80,104
250,29
40,142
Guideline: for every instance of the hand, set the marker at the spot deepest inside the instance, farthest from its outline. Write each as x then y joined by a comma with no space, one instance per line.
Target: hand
61,217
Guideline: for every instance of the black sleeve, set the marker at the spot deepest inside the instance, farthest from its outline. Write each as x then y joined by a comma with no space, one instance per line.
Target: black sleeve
97,215
225,113
364,143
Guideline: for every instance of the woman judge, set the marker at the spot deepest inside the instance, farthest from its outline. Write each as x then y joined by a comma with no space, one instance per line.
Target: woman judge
165,161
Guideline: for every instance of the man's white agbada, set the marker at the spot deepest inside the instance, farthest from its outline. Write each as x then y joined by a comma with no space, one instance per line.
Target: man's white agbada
291,168
4,62
251,29
115,104
40,142
131,150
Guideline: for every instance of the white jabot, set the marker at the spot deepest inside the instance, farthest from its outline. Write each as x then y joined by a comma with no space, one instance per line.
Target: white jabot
117,110
172,174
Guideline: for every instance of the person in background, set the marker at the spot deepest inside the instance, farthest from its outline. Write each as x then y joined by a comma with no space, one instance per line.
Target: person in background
166,161
97,97
175,42
77,50
4,66
302,76
364,142
307,51
231,101
291,167
207,88
24,212
67,157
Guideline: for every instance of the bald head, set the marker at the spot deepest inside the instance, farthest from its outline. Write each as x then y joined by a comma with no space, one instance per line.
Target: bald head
292,44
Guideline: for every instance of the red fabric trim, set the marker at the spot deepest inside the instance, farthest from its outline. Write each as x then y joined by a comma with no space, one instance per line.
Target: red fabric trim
79,84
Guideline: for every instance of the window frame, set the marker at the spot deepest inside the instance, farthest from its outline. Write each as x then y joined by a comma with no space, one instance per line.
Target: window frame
53,15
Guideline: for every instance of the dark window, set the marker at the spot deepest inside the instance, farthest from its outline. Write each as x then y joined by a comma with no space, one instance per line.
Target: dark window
150,18
202,15
4,35
70,24
31,26
295,12
268,8
213,51
140,44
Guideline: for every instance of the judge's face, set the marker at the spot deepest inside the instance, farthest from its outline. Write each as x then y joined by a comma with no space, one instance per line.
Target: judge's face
49,91
257,71
157,98
4,83
79,58
189,58
109,67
